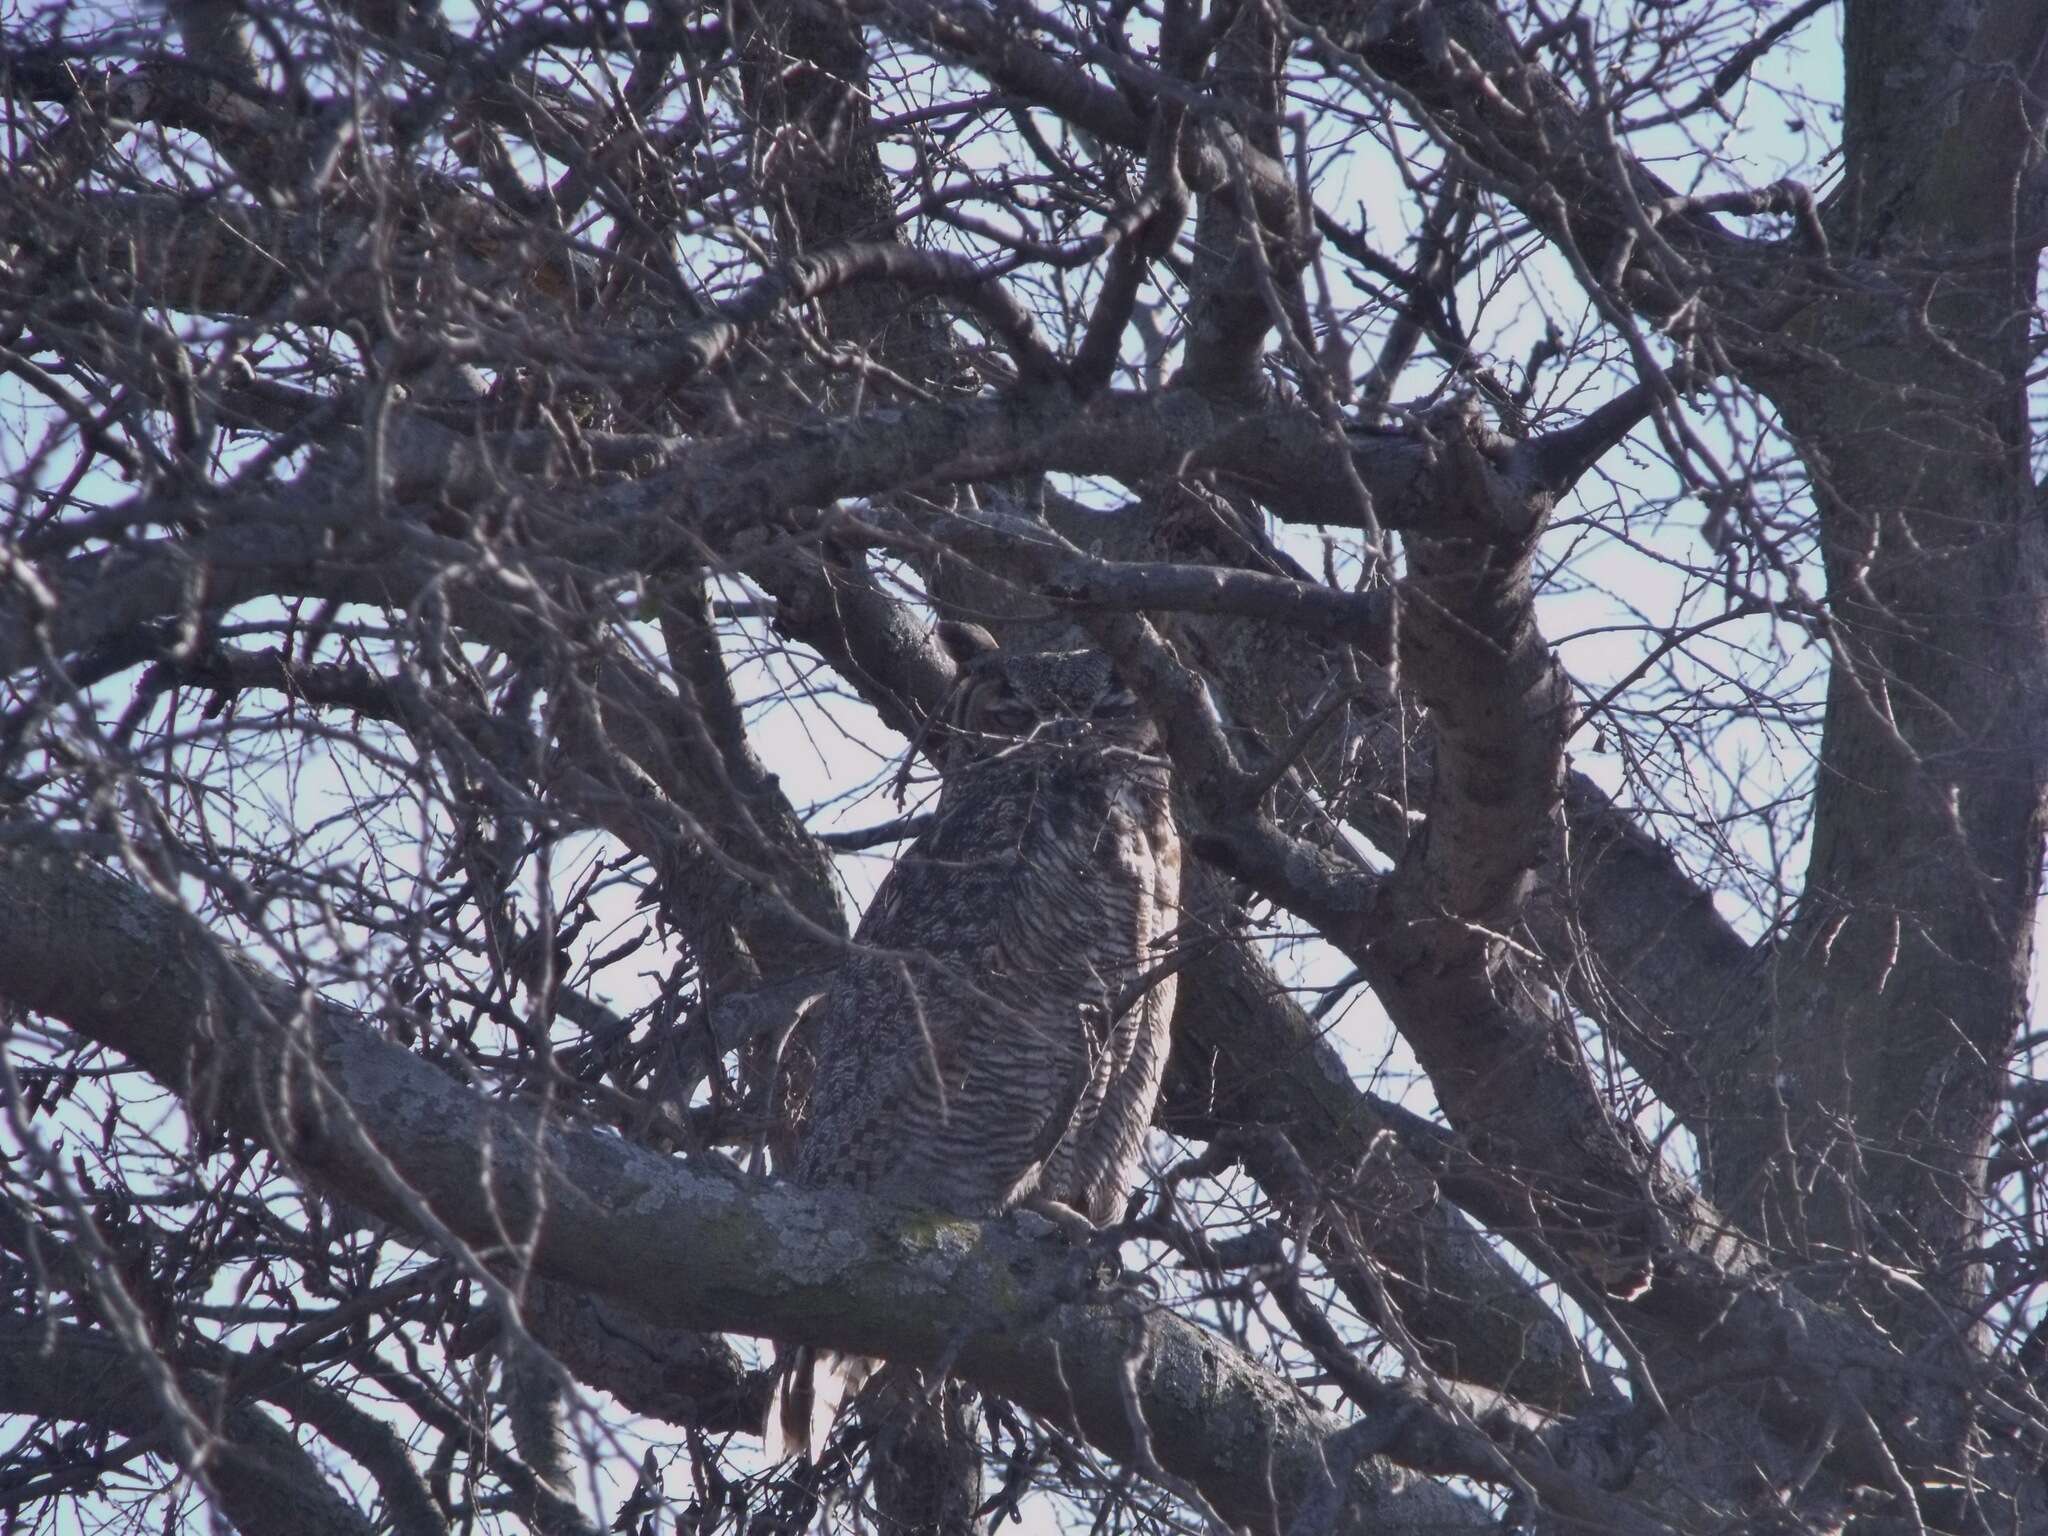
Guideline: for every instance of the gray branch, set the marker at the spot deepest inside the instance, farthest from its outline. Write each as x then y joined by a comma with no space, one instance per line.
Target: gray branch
265,1483
374,1124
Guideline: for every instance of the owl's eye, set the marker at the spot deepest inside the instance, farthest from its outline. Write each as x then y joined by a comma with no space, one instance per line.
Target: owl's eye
1011,717
1117,704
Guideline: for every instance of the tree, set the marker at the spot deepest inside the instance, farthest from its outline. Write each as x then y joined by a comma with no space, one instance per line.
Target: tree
479,490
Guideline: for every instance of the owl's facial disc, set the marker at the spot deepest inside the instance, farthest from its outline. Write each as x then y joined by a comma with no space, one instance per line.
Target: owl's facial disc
1065,699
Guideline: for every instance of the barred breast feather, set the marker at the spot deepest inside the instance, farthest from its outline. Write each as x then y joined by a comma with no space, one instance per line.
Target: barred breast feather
971,1047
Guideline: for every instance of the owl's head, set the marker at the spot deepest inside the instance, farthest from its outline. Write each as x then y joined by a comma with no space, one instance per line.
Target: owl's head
1060,698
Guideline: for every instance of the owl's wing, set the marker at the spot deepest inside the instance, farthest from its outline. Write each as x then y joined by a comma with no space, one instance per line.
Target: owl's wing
1130,903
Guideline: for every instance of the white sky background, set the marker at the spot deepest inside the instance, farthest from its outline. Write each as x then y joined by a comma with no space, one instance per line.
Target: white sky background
1603,613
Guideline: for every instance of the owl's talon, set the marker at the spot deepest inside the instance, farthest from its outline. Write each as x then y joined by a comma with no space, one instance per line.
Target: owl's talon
1059,1217
1106,1270
1032,1225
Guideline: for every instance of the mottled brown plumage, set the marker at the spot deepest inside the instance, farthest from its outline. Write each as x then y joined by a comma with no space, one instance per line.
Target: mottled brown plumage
987,1044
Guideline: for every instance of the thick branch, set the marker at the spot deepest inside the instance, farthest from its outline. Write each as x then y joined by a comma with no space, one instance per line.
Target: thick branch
312,538
1635,939
265,1483
1246,1057
739,497
381,1128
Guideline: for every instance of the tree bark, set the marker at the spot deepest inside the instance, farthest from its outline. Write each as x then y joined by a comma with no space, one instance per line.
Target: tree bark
1011,1310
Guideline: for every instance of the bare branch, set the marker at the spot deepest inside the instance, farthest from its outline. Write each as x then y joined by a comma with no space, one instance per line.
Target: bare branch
389,1133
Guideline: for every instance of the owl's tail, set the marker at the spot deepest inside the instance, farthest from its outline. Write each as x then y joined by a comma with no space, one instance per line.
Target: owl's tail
814,1386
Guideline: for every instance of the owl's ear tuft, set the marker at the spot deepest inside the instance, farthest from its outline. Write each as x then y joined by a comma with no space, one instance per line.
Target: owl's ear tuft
964,642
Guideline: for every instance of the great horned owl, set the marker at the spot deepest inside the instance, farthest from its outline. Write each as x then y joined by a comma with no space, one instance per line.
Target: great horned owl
988,1044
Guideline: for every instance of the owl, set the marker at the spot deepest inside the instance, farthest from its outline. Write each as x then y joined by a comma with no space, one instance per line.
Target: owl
997,1039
